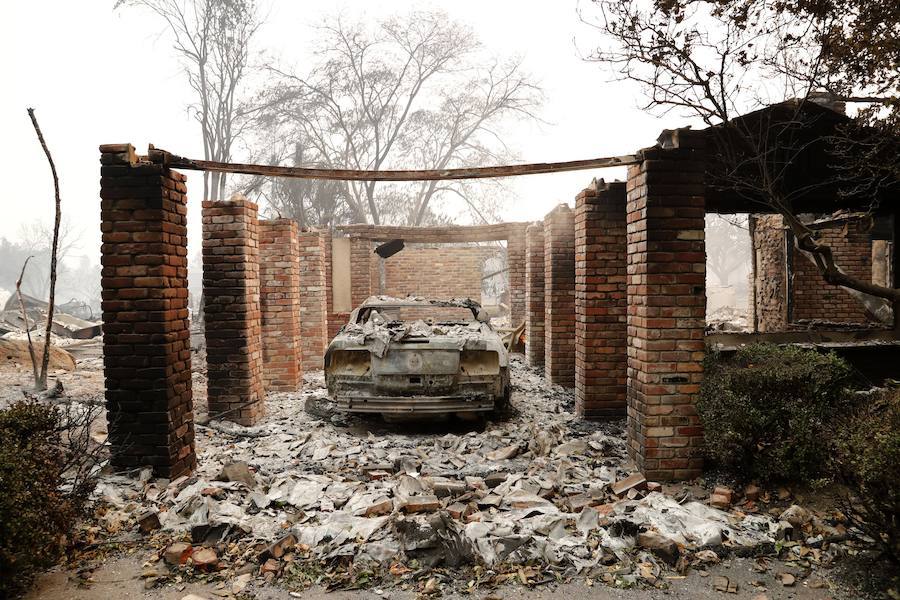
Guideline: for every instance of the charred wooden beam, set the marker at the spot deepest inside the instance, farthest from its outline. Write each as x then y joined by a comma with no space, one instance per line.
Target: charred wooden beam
170,160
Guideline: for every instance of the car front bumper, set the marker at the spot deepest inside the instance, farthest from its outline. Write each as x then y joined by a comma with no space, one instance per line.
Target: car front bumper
413,405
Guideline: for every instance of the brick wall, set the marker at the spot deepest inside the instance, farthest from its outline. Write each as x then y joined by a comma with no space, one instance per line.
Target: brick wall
436,272
666,308
280,304
361,265
515,260
601,333
770,278
813,297
335,320
534,294
559,296
232,311
313,298
146,333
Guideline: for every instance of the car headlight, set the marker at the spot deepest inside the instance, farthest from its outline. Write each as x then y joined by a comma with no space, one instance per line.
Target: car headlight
479,362
349,362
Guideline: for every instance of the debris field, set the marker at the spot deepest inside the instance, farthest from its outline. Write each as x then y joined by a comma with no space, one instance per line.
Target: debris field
540,492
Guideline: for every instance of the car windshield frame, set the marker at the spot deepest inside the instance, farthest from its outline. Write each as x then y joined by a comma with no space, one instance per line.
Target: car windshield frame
364,310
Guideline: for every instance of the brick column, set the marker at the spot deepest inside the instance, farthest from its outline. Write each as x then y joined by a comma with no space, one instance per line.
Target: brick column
279,295
361,253
601,332
231,307
770,277
559,296
313,299
146,330
534,294
515,258
666,307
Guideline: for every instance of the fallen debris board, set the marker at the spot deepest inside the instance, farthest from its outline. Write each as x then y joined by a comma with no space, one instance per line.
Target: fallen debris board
16,352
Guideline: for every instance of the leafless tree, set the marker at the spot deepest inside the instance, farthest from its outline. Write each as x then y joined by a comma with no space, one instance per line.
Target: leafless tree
41,381
213,39
416,91
36,239
727,246
310,202
715,61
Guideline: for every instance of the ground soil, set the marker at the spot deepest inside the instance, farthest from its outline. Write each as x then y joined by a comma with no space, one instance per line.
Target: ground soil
119,579
119,575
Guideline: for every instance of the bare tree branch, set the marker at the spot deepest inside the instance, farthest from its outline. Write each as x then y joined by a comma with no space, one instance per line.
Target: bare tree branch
34,364
405,91
718,59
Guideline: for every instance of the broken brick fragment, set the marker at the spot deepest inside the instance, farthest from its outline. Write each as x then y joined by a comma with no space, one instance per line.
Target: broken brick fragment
636,481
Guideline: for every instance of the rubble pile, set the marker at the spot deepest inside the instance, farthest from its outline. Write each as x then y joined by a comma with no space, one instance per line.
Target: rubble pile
70,320
382,329
727,318
540,488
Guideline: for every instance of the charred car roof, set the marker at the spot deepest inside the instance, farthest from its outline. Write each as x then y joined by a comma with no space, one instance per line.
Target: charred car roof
412,301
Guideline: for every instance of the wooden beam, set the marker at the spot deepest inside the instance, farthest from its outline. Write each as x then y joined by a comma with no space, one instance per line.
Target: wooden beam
811,337
435,235
159,156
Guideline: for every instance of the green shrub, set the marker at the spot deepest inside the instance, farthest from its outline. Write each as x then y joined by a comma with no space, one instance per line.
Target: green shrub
866,459
766,410
35,514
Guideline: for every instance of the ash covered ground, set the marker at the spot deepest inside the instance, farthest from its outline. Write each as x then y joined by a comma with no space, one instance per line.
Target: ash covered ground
311,497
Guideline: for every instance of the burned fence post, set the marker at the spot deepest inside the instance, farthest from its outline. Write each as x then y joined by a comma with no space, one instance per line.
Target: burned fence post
534,294
601,330
666,307
146,331
559,296
279,294
313,298
232,310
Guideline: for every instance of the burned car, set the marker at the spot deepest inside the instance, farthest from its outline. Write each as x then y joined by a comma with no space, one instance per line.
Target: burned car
415,357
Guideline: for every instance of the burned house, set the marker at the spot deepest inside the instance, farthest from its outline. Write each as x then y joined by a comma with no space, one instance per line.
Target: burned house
612,292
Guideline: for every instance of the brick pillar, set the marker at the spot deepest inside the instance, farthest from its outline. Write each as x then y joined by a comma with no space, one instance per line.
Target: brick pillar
361,253
146,330
534,294
313,299
770,277
515,258
279,296
559,296
601,332
231,307
666,307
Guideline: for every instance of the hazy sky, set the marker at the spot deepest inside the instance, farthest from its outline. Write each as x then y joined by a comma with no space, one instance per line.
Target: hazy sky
97,76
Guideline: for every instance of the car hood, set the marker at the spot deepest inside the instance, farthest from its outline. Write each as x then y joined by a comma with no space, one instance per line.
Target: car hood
420,336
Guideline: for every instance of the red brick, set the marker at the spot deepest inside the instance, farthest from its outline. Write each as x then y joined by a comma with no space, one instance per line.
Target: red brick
148,372
231,296
601,301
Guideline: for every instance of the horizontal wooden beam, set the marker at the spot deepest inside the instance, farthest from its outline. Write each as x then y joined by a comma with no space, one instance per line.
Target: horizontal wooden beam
435,235
826,338
160,156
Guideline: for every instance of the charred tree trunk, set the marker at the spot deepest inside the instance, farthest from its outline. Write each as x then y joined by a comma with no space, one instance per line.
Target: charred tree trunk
41,383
